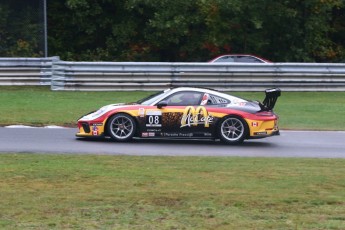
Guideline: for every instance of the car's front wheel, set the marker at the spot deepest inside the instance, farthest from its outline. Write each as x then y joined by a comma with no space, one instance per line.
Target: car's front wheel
121,127
232,130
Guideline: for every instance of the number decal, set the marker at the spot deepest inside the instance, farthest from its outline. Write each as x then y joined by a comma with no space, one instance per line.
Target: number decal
154,119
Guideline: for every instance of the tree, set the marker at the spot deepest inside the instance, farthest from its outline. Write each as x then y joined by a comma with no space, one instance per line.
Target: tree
21,30
180,30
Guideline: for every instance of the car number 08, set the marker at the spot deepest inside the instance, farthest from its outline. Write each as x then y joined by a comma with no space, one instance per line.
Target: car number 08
154,121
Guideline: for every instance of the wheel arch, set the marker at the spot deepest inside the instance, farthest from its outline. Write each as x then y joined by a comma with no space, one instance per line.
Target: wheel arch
236,116
126,113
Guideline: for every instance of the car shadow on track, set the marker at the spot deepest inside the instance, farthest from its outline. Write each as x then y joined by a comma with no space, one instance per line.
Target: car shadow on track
247,143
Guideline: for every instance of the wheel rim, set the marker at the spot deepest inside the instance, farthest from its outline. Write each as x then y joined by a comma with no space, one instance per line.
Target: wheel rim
121,127
232,129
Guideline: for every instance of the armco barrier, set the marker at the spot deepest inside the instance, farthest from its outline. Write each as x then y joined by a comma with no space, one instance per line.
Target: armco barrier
129,76
26,71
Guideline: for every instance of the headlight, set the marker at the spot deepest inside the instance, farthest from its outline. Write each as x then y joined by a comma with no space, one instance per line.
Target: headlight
95,114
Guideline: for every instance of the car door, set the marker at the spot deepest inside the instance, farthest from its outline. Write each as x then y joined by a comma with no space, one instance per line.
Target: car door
184,116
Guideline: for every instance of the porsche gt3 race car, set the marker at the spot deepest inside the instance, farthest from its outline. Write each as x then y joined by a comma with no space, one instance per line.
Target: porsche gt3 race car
185,113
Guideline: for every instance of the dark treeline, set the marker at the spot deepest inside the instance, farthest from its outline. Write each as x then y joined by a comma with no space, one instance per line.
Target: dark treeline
185,30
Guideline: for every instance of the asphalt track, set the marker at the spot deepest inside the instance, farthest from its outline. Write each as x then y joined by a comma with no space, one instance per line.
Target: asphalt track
306,144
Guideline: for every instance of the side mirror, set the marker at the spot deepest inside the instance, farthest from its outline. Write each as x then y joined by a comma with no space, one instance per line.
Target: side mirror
162,104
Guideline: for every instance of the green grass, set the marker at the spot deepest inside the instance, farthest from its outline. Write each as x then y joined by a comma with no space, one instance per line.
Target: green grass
308,110
129,192
41,106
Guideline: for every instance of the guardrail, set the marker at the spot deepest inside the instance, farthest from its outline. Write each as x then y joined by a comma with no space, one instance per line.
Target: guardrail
26,71
129,76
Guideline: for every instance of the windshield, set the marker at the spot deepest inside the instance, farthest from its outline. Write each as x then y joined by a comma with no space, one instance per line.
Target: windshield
153,97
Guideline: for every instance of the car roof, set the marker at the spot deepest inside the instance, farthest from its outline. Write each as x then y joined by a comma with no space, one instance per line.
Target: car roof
184,88
243,55
170,91
204,90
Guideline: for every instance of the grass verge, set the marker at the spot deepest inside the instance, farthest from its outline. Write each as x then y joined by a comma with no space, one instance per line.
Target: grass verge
121,192
41,106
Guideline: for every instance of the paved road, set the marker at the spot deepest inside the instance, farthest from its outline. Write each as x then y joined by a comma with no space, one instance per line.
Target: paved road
288,144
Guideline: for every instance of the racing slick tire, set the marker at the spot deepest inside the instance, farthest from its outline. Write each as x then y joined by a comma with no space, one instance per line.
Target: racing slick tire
232,130
121,127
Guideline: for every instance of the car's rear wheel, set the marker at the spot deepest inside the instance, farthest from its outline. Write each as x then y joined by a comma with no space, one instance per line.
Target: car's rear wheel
232,130
121,127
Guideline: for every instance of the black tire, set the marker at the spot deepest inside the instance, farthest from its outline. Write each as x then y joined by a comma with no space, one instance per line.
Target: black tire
232,130
121,127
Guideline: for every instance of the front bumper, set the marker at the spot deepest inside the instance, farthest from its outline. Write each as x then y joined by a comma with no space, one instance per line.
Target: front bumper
90,129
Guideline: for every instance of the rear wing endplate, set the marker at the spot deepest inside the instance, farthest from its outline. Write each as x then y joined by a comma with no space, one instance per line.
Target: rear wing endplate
270,99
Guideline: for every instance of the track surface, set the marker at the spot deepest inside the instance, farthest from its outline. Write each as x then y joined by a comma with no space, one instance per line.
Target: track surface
314,144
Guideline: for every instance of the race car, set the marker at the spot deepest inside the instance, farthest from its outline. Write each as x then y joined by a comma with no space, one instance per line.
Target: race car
185,113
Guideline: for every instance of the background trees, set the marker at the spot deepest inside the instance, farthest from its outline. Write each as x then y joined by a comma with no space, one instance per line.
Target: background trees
21,30
193,30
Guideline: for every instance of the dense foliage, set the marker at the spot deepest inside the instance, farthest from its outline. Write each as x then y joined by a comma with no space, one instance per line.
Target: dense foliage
194,30
21,28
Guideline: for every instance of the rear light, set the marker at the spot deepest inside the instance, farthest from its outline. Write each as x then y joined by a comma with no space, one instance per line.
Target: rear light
265,113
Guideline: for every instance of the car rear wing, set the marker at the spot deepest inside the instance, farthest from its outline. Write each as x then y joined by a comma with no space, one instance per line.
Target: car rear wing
270,99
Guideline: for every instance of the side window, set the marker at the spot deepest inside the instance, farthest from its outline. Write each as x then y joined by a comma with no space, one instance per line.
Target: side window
226,59
215,100
247,59
184,98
